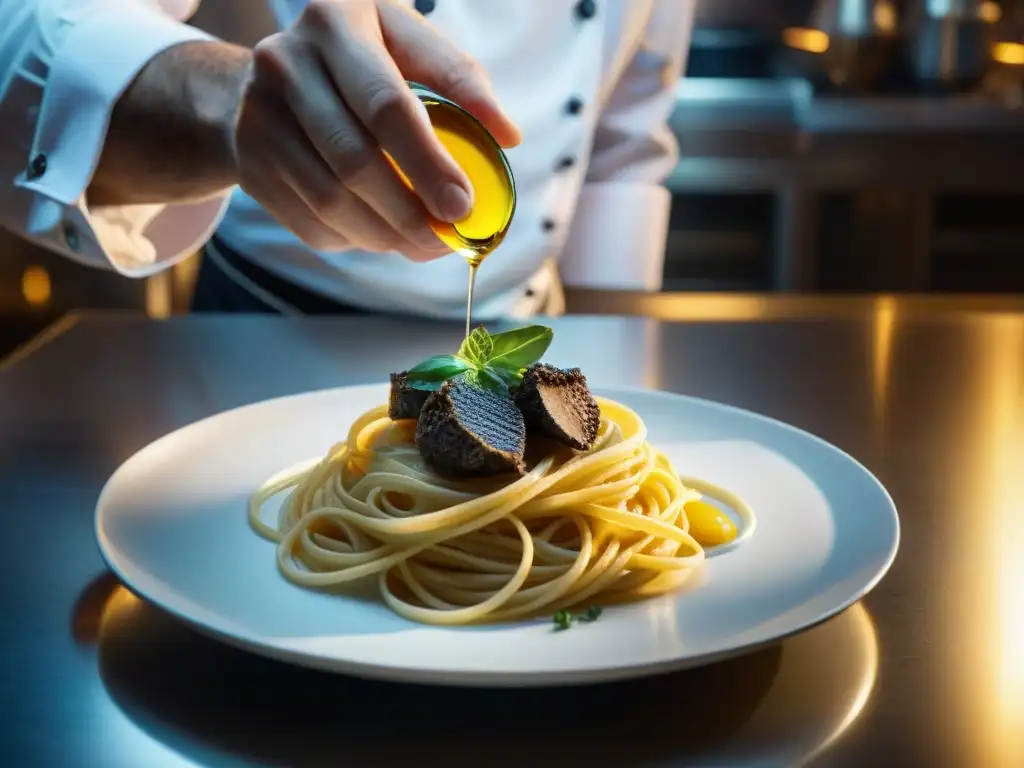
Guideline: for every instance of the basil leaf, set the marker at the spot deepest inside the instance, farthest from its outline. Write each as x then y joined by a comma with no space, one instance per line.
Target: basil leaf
509,377
438,368
563,620
492,381
520,348
426,386
593,613
484,379
477,346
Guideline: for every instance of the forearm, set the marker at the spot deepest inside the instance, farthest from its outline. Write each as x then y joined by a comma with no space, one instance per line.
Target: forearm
171,134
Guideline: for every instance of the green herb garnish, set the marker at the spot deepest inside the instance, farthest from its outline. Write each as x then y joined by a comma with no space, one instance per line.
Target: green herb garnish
593,613
435,371
521,348
494,362
563,620
477,347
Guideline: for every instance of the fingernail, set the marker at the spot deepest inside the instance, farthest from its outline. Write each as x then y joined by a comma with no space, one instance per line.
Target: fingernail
454,203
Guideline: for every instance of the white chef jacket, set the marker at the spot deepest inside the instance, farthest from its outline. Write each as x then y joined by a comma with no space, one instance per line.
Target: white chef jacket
591,96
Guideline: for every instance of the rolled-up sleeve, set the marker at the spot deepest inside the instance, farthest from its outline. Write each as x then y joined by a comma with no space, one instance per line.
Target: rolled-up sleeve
63,65
620,225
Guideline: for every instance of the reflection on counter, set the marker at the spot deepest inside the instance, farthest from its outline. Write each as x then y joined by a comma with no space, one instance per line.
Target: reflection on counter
991,587
704,307
784,705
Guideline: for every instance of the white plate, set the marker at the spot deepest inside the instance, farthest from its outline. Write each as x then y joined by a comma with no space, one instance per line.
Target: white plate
171,523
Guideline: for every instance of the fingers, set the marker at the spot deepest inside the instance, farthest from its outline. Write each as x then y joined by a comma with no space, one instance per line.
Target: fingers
356,160
337,110
303,169
332,165
426,57
372,87
292,212
262,178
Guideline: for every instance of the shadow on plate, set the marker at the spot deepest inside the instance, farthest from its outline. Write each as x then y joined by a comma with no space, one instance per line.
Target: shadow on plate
781,705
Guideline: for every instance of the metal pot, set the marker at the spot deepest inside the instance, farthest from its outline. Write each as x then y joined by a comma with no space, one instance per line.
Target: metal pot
752,14
951,48
737,38
859,40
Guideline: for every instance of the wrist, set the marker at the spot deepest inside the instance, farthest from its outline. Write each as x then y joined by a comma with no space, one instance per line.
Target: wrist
215,93
171,134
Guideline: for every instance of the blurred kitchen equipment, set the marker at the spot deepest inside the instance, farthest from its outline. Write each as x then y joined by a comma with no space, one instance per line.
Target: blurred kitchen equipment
738,38
1008,53
731,53
952,42
861,43
735,14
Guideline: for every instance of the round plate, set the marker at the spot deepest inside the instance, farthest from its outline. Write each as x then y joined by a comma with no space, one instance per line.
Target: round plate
171,523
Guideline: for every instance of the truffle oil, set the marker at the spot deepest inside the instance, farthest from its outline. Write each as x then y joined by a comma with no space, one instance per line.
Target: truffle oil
494,190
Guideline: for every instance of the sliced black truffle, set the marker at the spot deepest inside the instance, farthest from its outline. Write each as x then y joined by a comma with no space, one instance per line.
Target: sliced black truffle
557,403
465,430
405,402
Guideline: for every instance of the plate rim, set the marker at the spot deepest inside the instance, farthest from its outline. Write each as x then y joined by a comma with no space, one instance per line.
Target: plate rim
503,679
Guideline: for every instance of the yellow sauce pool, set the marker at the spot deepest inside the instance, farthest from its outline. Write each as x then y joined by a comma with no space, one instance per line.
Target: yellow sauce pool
709,525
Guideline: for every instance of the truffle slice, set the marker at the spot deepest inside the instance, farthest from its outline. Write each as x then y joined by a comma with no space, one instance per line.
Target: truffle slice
405,402
465,430
556,403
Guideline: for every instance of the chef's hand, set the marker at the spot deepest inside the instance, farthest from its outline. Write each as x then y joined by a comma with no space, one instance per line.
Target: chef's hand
325,96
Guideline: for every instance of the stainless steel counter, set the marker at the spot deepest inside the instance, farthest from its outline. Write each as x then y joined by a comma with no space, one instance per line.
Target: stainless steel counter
758,307
925,672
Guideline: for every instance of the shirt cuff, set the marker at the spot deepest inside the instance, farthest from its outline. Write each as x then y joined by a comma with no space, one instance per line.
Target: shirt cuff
141,240
93,64
618,237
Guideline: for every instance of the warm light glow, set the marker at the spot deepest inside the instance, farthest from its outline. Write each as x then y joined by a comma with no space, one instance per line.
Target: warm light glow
983,569
121,605
716,308
866,630
184,275
884,323
822,686
158,296
885,17
1008,53
811,40
35,286
882,332
113,731
990,12
1005,502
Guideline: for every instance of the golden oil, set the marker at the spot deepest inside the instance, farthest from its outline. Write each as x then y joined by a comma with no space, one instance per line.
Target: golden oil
480,156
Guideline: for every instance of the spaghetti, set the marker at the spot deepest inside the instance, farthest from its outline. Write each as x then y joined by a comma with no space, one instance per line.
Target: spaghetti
607,525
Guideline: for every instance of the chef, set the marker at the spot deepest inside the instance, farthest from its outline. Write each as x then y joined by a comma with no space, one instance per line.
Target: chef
130,139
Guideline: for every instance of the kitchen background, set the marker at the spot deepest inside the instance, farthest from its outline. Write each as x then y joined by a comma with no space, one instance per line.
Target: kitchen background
826,145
